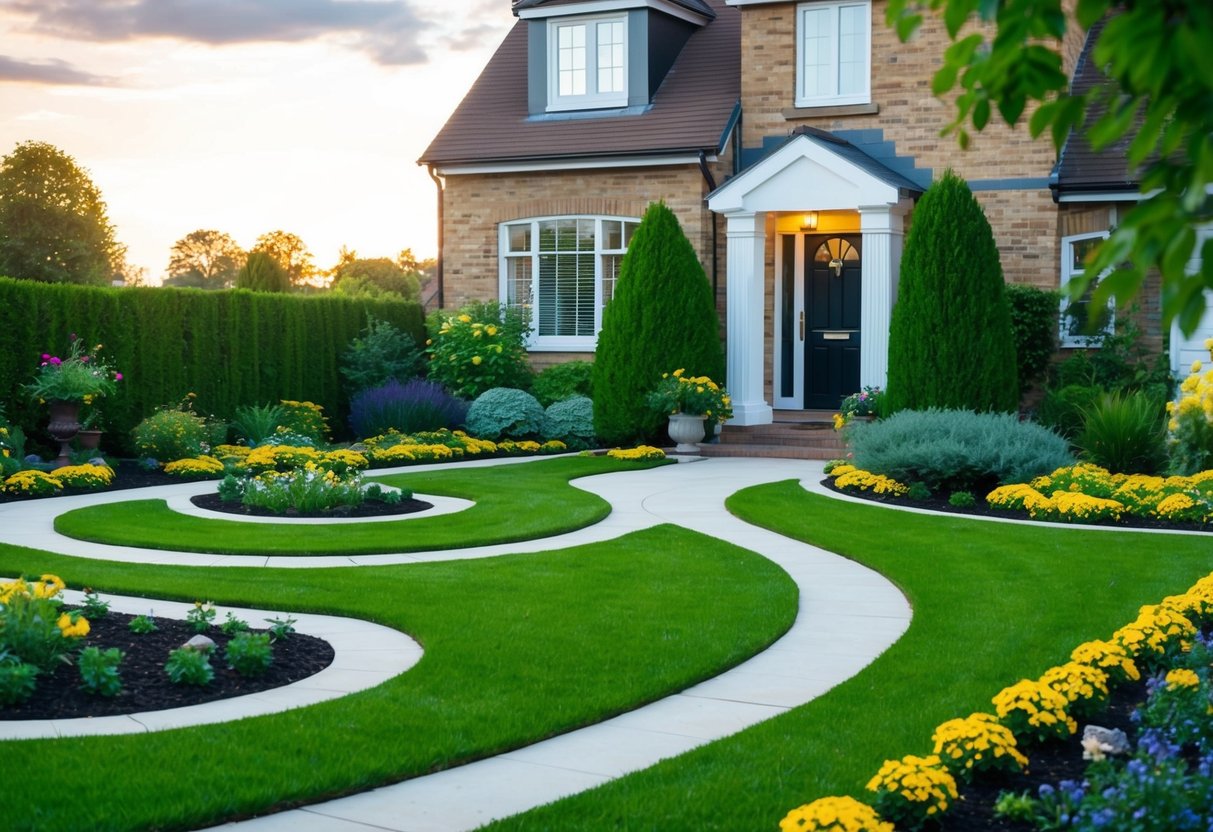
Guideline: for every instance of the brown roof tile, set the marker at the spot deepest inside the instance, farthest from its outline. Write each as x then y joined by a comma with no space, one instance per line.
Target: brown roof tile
689,111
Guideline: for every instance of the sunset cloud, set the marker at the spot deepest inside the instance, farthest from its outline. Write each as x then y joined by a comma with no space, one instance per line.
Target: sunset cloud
46,72
387,30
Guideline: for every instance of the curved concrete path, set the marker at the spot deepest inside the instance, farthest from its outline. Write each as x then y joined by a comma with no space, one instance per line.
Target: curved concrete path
848,615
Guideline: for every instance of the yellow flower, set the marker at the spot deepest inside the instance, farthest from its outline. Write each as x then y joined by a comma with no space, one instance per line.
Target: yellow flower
72,629
1182,678
490,329
476,360
466,319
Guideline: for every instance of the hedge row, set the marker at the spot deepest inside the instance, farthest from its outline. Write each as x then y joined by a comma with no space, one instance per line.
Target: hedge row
228,348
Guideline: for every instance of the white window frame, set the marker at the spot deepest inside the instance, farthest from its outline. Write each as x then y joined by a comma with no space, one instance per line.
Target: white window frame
833,7
558,343
592,99
1068,272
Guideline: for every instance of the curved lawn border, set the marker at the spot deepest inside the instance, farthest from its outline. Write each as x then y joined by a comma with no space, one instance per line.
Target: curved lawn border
440,507
366,655
512,503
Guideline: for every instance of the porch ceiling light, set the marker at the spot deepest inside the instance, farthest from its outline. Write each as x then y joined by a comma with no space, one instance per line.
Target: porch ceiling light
808,222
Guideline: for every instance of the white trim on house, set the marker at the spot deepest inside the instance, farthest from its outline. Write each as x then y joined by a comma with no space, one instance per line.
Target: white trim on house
1120,196
592,96
572,163
1067,339
599,6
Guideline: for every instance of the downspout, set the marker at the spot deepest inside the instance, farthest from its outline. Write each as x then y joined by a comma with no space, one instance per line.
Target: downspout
441,235
711,183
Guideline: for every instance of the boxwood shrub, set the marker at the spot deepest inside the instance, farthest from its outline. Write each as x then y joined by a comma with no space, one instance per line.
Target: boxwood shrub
957,450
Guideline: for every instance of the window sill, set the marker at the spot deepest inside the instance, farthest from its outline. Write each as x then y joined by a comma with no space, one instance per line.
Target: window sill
563,345
830,111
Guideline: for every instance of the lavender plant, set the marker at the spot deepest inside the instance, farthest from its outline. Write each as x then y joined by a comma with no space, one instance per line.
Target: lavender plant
417,405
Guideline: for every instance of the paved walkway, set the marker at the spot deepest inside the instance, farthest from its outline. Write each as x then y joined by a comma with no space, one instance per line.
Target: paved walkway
847,616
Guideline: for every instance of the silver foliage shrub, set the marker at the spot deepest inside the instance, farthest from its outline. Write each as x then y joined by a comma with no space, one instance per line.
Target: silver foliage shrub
505,413
957,449
571,421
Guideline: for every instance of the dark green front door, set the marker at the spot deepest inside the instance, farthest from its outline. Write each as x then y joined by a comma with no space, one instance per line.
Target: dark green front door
832,296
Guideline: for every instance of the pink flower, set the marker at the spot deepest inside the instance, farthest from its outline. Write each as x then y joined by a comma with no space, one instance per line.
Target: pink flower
45,355
84,359
117,376
55,361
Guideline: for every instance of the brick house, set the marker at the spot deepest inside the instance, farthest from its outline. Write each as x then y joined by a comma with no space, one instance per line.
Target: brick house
791,139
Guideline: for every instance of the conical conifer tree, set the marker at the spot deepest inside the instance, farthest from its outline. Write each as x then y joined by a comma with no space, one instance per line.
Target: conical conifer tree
661,318
950,341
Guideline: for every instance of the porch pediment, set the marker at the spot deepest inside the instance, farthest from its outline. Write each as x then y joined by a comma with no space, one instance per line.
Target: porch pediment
812,169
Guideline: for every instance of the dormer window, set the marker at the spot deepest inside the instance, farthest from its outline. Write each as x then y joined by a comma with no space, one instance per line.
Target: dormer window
833,53
587,63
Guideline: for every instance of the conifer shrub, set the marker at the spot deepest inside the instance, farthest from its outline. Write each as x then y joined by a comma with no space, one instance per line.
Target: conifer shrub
662,317
950,340
505,413
1034,324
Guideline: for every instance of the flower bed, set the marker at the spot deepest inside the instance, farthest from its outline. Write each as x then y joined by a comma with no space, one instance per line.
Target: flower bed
1164,783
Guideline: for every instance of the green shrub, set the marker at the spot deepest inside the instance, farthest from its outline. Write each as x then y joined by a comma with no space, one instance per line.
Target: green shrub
255,423
176,433
262,273
962,499
380,354
17,680
249,654
564,381
1062,409
503,413
662,316
187,666
950,339
1124,433
142,625
99,671
918,491
304,419
571,421
480,347
1034,325
957,450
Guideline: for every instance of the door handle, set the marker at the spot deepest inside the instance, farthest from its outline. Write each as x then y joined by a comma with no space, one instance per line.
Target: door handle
802,326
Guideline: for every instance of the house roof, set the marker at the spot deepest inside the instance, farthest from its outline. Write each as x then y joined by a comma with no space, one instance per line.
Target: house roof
699,6
1080,168
690,112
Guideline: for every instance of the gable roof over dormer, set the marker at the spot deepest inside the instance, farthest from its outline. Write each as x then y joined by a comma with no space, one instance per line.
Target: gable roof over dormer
691,111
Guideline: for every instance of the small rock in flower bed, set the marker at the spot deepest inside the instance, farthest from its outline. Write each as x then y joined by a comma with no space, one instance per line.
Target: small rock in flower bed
201,643
1098,741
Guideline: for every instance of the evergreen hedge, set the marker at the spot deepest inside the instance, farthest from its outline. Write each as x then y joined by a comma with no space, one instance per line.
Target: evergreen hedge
950,340
231,348
662,317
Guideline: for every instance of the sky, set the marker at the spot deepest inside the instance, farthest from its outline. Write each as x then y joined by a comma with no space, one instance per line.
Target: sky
248,116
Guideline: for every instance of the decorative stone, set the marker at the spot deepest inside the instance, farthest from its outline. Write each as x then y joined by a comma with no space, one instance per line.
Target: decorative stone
359,447
1099,742
200,643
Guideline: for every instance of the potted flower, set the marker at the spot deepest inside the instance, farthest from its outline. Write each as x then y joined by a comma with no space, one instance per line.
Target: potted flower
689,401
67,383
863,406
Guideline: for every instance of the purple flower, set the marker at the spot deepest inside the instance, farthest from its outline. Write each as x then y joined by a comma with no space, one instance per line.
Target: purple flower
117,376
55,361
45,356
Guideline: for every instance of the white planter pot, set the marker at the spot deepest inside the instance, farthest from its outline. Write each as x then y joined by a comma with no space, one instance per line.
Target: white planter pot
686,430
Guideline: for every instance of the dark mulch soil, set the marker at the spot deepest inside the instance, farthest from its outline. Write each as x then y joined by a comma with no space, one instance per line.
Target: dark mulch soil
371,508
146,687
937,503
127,474
1048,763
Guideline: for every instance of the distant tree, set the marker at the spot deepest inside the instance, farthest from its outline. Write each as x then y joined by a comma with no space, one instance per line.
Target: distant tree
206,259
660,319
290,253
53,223
262,273
950,340
378,277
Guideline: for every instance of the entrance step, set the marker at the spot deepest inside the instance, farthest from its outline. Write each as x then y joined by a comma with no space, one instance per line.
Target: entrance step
805,436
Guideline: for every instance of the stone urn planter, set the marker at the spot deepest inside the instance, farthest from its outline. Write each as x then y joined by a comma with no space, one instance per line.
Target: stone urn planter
686,429
88,440
63,427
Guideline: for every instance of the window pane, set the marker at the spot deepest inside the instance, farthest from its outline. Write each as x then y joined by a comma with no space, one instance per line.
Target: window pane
610,57
520,237
610,274
566,295
629,228
816,52
1080,250
612,233
570,60
518,281
852,49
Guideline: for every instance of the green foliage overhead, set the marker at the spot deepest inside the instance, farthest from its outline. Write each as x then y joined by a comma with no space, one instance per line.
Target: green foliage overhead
262,273
230,348
1034,324
950,340
376,277
661,318
1157,58
53,224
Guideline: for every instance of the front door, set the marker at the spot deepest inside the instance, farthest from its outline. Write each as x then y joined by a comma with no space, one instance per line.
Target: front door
832,295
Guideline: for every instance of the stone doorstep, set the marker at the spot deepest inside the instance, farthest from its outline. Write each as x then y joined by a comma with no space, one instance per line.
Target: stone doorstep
771,451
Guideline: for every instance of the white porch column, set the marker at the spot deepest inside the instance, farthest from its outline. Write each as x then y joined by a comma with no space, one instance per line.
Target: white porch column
882,227
745,275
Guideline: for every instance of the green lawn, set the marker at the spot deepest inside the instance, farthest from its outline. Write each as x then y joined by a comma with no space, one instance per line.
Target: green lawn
517,649
513,502
993,603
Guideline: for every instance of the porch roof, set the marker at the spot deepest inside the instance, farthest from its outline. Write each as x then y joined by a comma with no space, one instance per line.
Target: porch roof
813,169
